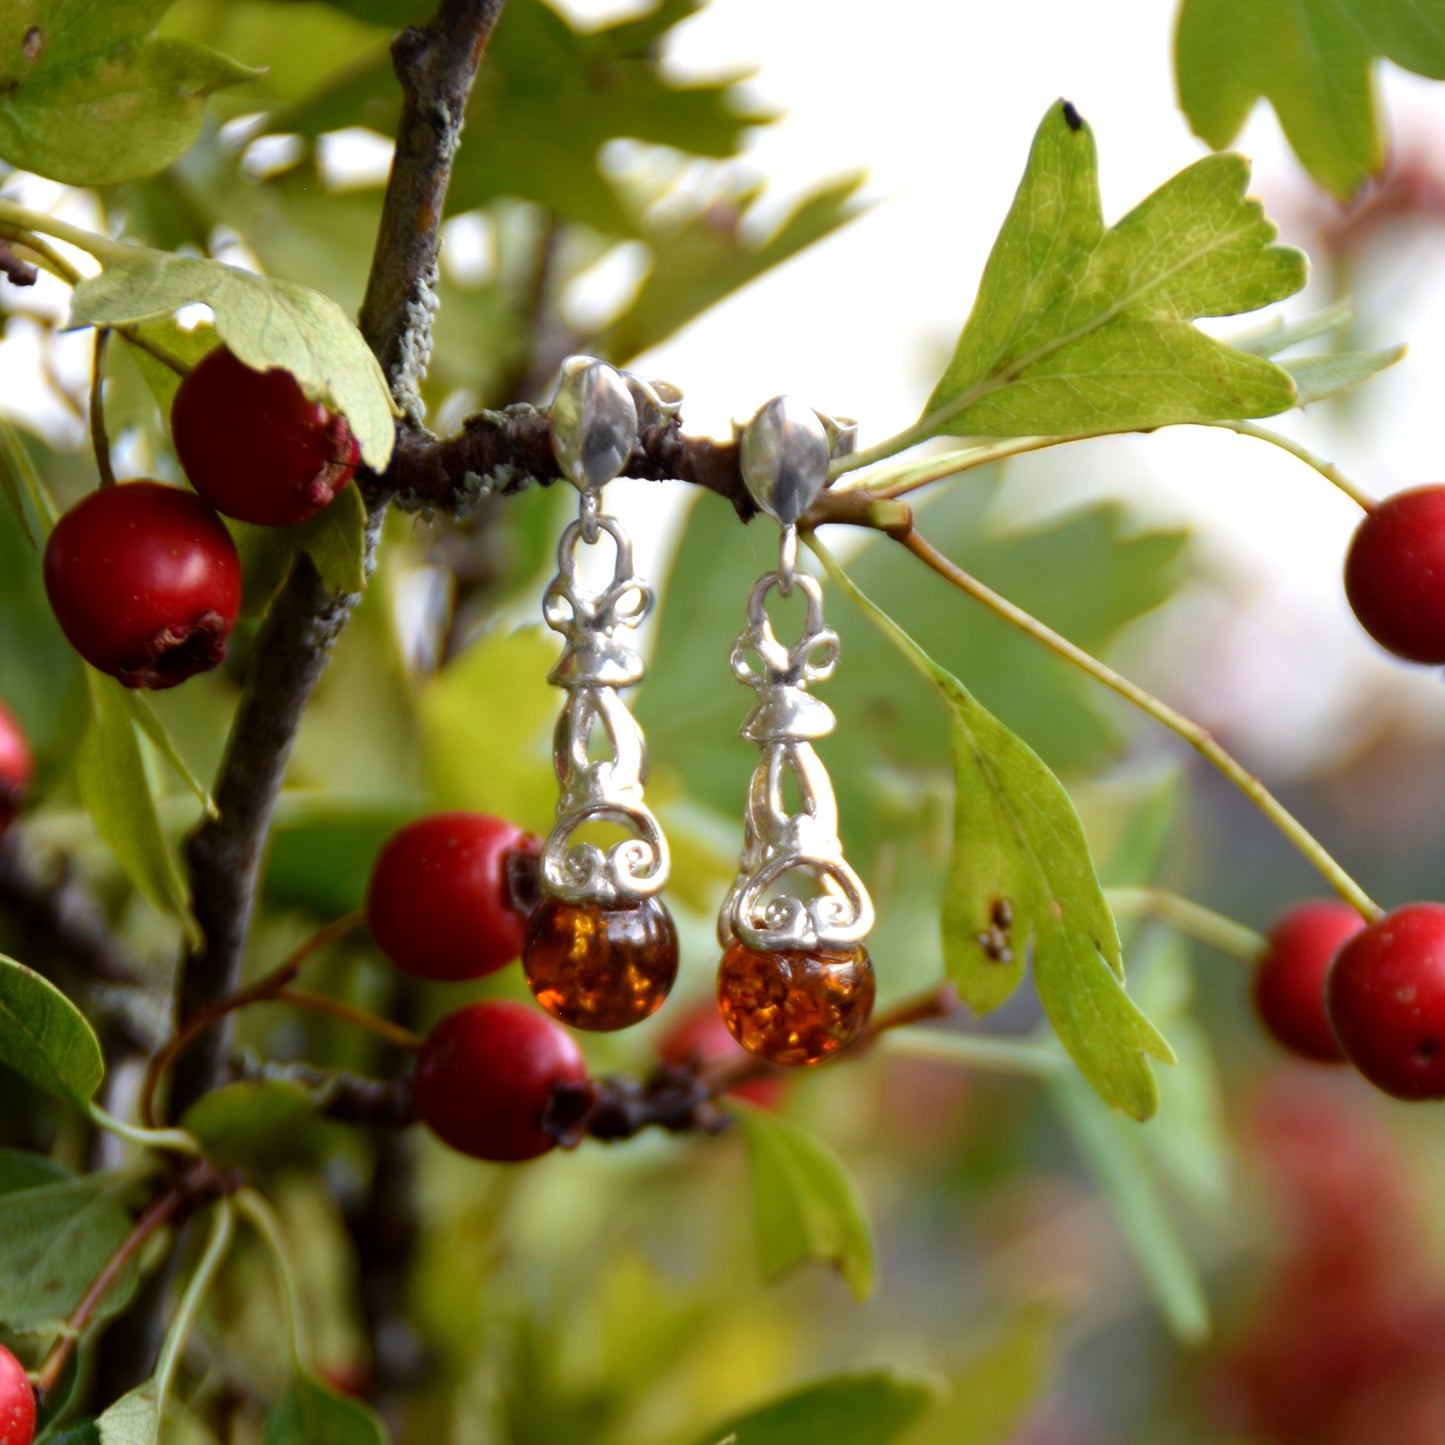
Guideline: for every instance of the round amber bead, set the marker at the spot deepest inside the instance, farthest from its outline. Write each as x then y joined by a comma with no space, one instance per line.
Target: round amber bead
794,1008
600,968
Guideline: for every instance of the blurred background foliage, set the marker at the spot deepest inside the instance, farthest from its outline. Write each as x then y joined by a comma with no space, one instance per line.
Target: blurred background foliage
1057,1265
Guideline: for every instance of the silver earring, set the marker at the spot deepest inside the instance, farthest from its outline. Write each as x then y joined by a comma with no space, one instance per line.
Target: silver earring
601,948
795,984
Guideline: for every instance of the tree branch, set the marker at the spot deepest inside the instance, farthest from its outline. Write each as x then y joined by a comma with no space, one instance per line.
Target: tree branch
436,67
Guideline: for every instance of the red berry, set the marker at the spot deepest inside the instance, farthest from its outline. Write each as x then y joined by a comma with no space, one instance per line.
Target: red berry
17,1402
1395,574
699,1037
15,766
145,582
1385,995
1289,981
255,446
486,1075
440,901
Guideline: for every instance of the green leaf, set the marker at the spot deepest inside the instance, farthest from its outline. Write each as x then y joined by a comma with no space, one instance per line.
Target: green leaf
866,1407
1079,329
111,777
45,1037
54,1240
806,1205
267,323
487,721
311,1414
1316,377
81,1432
1279,334
1022,885
696,265
89,95
1314,61
990,1399
239,1123
144,717
335,540
134,1419
1111,1150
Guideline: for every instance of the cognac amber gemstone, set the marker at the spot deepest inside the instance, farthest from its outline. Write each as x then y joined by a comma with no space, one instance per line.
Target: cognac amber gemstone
600,968
794,1008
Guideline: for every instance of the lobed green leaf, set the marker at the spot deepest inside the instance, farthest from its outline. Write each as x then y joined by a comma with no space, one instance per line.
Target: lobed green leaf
267,323
1314,61
89,95
1080,329
1022,886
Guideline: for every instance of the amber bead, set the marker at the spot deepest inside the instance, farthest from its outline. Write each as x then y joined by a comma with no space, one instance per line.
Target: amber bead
600,968
794,1008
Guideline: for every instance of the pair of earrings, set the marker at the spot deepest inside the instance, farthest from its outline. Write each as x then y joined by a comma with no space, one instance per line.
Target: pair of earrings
795,983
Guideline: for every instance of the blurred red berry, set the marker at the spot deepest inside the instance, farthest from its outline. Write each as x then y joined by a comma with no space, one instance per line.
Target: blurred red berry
16,766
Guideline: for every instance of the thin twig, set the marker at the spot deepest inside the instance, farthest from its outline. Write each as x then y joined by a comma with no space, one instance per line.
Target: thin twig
99,437
200,1181
265,987
1197,737
1328,470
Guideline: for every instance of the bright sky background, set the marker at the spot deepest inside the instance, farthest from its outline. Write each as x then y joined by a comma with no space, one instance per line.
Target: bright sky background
939,103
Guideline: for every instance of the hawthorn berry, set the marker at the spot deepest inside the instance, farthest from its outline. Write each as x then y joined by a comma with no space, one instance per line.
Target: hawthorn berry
485,1077
1395,574
255,446
145,582
1385,995
441,901
15,766
17,1402
699,1038
1289,980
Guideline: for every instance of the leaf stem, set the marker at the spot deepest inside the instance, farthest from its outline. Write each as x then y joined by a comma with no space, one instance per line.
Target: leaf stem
151,1222
1196,736
99,437
898,481
266,987
24,219
172,1141
223,1230
1193,919
256,1210
1328,470
978,1051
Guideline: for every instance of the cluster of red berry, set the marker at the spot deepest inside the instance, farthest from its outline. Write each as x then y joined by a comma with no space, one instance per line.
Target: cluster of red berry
144,578
451,898
1331,988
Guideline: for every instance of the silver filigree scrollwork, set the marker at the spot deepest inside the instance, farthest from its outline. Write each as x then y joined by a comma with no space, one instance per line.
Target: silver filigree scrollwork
785,453
598,749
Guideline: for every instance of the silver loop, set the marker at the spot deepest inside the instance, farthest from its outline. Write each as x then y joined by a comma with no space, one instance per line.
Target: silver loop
787,559
589,512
